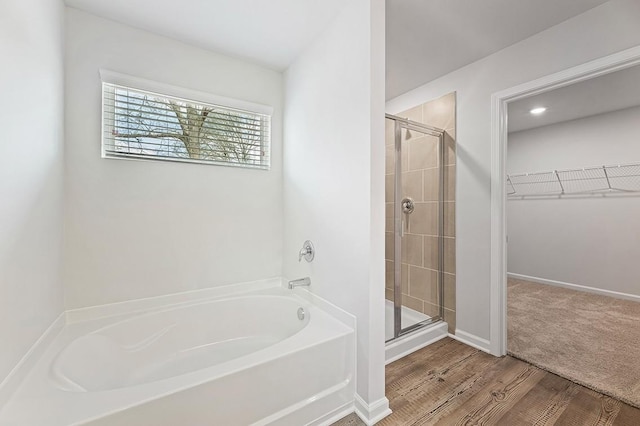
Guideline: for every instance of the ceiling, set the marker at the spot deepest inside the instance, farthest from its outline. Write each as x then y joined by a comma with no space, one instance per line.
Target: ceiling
607,93
271,33
427,39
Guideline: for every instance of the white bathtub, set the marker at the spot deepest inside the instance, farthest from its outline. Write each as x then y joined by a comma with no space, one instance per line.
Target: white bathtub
265,357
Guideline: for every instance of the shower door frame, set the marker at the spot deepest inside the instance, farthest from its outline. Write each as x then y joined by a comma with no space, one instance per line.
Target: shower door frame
399,124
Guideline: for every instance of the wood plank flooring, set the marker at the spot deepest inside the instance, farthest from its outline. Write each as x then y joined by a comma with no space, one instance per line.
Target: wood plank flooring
449,383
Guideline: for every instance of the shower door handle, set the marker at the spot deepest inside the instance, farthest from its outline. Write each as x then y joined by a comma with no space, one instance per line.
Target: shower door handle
407,208
408,205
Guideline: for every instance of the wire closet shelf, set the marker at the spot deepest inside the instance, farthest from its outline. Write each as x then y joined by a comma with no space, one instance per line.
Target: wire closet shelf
590,180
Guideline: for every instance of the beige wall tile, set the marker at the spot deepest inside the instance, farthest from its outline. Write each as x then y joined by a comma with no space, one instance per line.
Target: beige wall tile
412,303
389,132
431,253
431,310
440,112
412,249
451,131
414,114
389,182
388,215
450,318
404,279
388,274
423,284
424,219
450,219
450,255
431,184
450,291
405,224
450,183
412,185
388,245
388,294
404,156
449,147
389,159
432,187
423,152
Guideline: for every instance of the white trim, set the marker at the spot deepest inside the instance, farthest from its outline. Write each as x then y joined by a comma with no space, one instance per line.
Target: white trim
335,415
371,414
28,361
145,304
294,414
497,315
472,340
112,77
410,343
617,61
577,287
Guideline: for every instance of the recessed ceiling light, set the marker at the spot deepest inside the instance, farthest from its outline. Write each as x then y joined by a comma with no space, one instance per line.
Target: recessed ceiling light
538,111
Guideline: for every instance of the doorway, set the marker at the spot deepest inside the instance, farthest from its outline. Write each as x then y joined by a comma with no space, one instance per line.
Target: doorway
550,270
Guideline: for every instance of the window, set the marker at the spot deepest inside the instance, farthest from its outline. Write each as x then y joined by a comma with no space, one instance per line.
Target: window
148,125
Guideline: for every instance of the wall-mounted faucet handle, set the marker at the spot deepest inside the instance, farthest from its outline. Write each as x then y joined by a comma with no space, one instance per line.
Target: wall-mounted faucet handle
307,251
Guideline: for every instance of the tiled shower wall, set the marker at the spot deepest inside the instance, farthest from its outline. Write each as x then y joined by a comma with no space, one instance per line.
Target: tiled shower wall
420,181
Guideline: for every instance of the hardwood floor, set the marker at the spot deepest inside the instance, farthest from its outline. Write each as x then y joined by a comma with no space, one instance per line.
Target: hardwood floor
449,383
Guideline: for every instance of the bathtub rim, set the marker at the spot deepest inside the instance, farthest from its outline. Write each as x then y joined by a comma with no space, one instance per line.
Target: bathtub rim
142,305
304,297
58,377
152,303
110,312
121,319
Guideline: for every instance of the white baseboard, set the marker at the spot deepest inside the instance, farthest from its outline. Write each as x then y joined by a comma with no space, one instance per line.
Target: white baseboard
371,414
22,368
610,293
472,340
334,416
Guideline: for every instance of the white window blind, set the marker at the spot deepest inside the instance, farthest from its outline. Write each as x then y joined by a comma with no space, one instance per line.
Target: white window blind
146,125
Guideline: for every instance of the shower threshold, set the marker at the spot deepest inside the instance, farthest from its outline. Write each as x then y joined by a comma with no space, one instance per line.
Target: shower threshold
411,342
409,318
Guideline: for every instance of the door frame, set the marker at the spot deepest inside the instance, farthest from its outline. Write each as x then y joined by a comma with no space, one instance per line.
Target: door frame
499,108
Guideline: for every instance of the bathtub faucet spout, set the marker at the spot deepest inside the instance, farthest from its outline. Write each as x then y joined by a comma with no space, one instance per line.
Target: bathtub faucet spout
306,281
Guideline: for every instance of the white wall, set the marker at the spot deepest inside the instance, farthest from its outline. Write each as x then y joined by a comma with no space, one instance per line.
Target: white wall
333,176
587,240
31,151
598,32
136,229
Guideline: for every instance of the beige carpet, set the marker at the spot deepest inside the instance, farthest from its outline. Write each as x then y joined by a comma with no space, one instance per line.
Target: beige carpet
590,339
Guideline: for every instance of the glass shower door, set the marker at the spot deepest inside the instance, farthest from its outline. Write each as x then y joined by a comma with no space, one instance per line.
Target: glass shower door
415,246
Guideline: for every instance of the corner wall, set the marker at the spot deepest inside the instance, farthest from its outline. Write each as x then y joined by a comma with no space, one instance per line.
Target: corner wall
601,31
137,229
31,154
589,240
334,178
